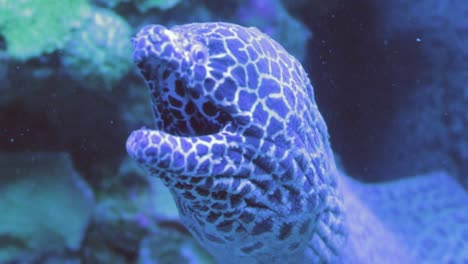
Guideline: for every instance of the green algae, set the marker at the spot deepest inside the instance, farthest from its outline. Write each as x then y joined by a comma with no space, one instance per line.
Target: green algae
34,27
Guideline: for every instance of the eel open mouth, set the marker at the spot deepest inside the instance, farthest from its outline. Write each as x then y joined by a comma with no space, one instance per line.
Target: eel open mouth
170,62
237,140
188,123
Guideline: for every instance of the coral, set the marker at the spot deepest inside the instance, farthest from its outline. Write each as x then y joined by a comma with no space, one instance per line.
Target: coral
128,210
172,246
141,5
145,5
108,3
45,204
34,27
97,249
97,55
154,200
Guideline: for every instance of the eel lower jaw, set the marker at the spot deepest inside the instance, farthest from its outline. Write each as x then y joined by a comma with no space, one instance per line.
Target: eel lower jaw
199,156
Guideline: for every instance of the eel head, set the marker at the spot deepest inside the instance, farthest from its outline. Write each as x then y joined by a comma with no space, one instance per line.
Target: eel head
238,141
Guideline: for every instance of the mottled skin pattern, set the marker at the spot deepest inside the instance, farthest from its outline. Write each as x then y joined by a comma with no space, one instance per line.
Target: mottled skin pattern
240,143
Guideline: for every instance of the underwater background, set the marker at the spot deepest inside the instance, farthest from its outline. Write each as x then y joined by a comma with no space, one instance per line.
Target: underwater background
390,79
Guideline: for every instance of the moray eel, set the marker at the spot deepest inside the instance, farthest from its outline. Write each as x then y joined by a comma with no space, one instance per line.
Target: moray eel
244,150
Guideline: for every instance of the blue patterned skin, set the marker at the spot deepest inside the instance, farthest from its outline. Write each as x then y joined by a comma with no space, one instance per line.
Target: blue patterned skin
240,143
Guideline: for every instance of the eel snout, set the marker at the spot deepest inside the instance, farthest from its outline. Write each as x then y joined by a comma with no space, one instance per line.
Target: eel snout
158,50
170,60
201,156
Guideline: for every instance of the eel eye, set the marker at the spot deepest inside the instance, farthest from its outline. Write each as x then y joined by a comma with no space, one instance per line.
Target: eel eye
199,54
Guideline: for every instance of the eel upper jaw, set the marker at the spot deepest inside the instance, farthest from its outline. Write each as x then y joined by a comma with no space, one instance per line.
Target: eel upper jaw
157,49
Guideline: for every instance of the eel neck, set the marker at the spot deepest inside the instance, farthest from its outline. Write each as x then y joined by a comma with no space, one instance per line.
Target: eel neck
331,232
369,240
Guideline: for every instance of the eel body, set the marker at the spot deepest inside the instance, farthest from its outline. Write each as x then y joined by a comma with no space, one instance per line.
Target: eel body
241,144
420,219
